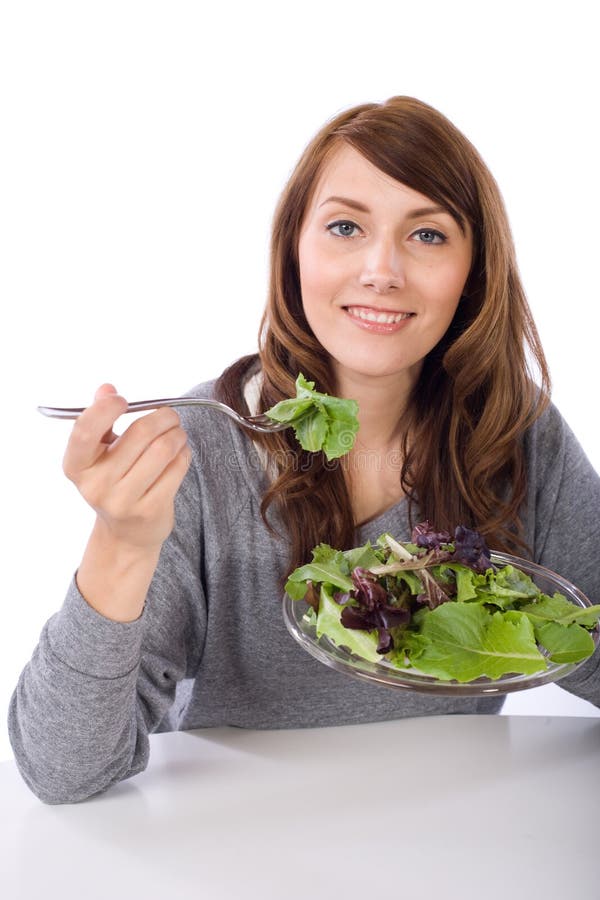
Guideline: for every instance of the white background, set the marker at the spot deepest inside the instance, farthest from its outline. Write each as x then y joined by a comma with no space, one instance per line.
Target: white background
143,148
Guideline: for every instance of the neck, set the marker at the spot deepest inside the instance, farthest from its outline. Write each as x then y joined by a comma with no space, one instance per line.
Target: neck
382,402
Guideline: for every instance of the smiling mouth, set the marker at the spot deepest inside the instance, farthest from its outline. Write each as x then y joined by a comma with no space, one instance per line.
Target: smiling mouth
381,317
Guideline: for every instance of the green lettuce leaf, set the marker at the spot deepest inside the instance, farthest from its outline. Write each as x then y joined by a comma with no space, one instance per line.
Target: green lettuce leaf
320,422
506,586
343,426
328,565
363,643
296,589
409,644
290,410
565,643
412,580
328,573
323,553
466,641
559,609
311,430
363,557
466,581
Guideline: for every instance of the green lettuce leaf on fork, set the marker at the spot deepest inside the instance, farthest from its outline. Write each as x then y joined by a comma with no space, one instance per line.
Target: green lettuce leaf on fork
320,422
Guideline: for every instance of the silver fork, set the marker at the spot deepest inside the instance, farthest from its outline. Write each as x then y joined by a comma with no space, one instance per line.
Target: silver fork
261,422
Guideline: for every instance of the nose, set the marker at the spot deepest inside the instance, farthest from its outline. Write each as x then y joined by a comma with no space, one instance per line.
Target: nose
382,266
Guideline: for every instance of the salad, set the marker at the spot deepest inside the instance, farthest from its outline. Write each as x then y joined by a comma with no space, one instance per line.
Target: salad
439,606
320,422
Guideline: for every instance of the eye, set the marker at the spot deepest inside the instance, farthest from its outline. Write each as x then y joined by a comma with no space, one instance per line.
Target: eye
429,236
344,228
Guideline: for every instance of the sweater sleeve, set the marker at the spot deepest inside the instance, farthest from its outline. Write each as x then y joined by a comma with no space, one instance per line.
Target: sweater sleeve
94,689
565,505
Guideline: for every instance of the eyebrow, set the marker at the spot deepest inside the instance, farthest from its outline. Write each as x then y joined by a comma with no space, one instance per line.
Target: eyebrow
413,214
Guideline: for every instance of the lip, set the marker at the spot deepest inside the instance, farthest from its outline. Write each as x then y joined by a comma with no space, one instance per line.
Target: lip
379,327
378,309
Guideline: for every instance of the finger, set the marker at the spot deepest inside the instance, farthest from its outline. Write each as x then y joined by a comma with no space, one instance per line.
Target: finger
156,504
109,438
125,453
163,490
106,390
86,444
151,465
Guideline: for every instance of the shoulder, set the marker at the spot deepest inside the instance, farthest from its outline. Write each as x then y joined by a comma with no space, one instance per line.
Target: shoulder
545,438
205,427
561,513
554,458
550,444
202,423
205,390
225,459
562,483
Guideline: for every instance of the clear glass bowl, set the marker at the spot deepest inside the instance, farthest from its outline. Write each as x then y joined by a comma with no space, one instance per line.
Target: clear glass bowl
341,659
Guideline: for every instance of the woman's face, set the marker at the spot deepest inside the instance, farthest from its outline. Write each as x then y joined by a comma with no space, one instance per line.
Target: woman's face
382,269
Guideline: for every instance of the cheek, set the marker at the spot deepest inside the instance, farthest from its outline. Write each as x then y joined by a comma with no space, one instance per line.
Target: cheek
314,273
448,285
458,279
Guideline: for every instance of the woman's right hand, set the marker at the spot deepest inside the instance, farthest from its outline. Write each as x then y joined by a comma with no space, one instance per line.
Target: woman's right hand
130,481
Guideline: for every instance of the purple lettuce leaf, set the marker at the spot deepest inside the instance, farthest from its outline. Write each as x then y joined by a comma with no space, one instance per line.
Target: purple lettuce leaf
381,619
471,550
368,590
433,593
425,535
372,609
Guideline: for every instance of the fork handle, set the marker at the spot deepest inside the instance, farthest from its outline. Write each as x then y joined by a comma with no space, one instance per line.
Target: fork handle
60,412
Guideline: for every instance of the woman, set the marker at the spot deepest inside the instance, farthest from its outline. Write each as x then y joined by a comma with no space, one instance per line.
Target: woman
393,282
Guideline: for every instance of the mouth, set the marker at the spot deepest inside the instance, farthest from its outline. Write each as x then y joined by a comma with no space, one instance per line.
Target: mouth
377,316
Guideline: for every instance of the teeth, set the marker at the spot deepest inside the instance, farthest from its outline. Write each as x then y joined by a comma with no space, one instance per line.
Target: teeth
384,318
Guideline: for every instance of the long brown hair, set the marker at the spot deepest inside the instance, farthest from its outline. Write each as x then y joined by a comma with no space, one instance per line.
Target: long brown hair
476,395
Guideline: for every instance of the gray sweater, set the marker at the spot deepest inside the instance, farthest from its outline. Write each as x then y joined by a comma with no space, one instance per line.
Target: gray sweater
211,648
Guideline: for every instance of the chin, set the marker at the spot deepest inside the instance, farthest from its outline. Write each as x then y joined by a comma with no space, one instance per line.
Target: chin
371,367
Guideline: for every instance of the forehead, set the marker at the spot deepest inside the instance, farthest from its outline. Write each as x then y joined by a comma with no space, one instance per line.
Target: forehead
348,173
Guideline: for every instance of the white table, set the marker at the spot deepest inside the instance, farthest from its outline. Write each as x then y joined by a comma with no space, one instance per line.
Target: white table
458,807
